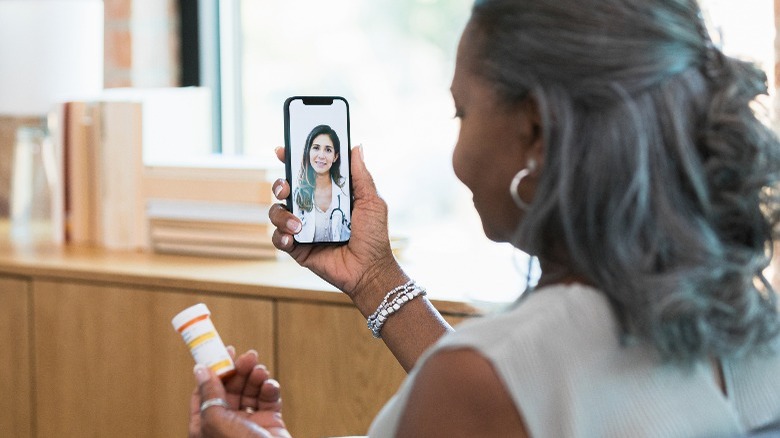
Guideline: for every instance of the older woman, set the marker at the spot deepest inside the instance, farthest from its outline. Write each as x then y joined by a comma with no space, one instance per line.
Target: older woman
625,154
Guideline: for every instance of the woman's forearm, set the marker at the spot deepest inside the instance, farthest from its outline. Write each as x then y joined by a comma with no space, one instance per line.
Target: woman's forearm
409,331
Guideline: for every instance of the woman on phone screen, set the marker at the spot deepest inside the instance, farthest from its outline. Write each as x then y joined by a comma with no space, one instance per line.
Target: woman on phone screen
321,201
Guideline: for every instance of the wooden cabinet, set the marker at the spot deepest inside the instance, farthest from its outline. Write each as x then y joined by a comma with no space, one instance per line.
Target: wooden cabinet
15,382
87,348
336,376
108,362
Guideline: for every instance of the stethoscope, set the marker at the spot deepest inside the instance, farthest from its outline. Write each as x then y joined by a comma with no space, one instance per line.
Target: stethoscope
341,212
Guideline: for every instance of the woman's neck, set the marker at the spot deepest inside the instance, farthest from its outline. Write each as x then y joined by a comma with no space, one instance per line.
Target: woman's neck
323,191
556,273
322,181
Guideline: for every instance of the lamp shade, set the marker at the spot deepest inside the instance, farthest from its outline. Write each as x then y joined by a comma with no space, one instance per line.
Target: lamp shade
50,50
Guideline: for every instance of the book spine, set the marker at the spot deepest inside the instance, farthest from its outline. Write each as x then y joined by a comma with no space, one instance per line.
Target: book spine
121,198
82,133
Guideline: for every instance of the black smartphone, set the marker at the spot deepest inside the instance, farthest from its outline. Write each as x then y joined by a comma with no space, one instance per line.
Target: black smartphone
317,165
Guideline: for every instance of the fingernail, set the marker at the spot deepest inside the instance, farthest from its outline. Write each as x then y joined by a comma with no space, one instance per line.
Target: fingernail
253,351
285,240
278,190
360,150
201,373
293,225
231,349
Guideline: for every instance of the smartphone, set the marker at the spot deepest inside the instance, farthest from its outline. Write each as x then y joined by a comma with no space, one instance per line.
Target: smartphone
317,165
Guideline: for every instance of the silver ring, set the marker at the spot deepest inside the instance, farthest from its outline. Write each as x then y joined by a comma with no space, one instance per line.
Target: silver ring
249,410
214,402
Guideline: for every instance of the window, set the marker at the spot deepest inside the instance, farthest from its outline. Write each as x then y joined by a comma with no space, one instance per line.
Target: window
744,29
393,61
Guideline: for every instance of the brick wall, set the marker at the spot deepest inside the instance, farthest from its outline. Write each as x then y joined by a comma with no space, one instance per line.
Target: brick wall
141,43
140,49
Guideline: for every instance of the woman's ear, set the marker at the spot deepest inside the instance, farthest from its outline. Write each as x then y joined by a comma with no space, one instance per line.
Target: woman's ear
533,133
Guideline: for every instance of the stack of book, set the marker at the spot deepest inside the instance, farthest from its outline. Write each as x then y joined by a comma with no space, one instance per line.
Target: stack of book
210,229
218,208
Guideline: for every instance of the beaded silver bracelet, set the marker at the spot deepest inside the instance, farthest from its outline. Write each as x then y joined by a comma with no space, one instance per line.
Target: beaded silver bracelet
391,303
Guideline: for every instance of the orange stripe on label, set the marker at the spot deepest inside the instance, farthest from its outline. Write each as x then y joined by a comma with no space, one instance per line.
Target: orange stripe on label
201,339
219,365
191,322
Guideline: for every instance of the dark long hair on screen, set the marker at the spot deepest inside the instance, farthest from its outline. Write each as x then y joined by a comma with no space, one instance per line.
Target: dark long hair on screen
304,197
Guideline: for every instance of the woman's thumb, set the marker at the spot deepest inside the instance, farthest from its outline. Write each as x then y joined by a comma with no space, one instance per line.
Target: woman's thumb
209,385
362,182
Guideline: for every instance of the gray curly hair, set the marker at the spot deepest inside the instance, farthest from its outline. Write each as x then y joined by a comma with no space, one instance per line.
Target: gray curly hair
659,181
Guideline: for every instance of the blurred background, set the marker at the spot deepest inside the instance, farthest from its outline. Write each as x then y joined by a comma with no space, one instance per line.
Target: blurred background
393,61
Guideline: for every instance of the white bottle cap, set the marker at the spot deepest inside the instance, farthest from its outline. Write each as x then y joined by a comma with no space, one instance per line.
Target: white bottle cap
189,314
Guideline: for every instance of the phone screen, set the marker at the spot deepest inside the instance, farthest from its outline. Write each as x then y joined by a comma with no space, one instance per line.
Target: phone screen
317,165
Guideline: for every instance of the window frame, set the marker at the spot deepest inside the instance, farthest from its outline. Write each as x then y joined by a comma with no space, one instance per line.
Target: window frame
210,34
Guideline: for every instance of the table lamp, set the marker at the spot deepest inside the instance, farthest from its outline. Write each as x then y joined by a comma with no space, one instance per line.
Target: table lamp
50,50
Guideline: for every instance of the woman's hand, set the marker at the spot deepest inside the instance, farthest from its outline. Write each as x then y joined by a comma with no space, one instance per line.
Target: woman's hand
364,268
254,401
366,263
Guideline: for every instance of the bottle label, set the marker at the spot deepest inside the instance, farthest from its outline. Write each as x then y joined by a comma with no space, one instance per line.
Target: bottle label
206,346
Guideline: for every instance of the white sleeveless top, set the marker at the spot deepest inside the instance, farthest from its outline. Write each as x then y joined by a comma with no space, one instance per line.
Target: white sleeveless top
559,355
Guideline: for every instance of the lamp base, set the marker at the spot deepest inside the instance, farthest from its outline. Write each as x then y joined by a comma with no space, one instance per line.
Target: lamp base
8,128
35,187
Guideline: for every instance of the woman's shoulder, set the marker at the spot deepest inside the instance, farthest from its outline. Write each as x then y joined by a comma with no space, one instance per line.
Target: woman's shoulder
559,312
545,334
753,383
561,347
507,351
465,385
341,183
299,194
340,192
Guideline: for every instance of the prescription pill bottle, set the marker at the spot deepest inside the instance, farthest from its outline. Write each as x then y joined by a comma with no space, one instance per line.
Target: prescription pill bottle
196,328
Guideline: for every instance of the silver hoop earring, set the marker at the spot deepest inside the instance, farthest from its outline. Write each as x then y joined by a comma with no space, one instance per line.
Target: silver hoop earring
514,185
